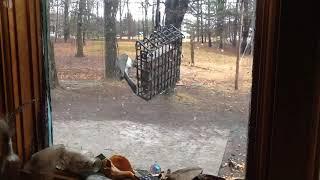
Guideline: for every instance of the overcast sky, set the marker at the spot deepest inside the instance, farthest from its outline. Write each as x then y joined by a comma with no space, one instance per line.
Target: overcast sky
136,9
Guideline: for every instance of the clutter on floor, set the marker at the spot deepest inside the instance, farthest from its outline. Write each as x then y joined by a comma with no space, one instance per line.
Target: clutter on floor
60,162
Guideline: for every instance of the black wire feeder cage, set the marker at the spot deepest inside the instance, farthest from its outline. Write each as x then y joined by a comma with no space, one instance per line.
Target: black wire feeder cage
158,60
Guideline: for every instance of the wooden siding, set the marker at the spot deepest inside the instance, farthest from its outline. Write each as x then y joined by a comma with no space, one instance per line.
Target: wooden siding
22,70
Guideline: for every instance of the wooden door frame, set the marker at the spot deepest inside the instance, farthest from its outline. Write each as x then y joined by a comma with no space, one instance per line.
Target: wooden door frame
285,103
24,77
280,109
2,93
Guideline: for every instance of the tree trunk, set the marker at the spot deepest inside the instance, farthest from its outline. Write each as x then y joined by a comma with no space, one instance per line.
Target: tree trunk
229,29
120,18
253,25
66,23
209,24
129,21
246,25
209,40
175,11
57,21
79,40
97,9
146,19
84,38
143,20
86,20
220,22
192,50
201,19
235,26
53,76
205,38
198,20
252,38
236,86
153,15
157,24
110,12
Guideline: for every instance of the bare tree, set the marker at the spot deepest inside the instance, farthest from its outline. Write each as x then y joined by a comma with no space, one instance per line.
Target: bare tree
87,16
157,19
236,86
192,49
53,75
143,19
57,21
209,24
85,22
146,29
153,14
246,24
110,12
235,24
130,25
66,23
253,24
97,9
129,18
201,20
80,29
198,20
121,7
220,22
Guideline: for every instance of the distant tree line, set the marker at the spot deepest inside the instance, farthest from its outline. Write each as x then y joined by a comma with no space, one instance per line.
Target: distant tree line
83,19
218,21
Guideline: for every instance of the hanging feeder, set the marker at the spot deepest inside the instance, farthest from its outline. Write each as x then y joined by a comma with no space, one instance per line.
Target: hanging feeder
158,60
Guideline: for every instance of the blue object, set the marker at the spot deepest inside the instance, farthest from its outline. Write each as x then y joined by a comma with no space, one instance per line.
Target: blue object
155,169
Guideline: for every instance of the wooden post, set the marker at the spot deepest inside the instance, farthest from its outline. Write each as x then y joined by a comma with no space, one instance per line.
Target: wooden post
236,83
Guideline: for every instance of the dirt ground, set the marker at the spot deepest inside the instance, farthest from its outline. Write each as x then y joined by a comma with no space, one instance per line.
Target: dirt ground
205,108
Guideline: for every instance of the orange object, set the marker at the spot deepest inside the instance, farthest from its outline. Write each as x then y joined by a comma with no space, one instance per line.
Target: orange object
111,171
121,163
